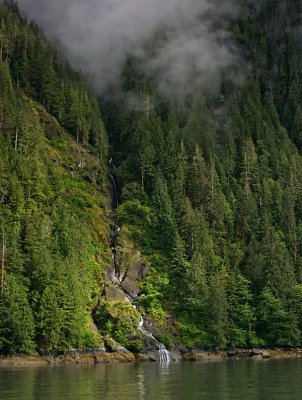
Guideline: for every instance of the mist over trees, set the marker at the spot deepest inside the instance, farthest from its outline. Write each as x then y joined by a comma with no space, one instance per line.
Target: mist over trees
209,178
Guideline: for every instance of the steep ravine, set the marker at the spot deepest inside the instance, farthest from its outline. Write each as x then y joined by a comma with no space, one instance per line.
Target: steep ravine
126,279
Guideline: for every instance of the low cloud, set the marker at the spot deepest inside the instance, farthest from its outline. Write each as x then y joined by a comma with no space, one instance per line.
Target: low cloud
98,36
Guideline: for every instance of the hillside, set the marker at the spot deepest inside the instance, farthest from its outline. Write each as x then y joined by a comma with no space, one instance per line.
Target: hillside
54,195
179,218
211,190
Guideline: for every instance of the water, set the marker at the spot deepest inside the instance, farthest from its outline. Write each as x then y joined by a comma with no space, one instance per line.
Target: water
116,202
232,380
164,355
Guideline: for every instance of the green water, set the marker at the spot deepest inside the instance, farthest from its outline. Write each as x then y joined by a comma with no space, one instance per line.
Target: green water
242,380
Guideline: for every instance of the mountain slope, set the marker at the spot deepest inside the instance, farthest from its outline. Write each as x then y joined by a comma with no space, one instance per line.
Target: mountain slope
54,203
191,233
211,191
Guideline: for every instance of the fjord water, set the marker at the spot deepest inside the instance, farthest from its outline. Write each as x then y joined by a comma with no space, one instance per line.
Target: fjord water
233,380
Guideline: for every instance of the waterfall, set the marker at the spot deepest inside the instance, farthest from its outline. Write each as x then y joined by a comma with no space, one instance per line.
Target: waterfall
164,355
115,190
112,163
113,240
115,229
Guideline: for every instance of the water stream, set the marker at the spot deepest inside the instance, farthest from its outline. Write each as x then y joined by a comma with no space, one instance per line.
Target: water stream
163,354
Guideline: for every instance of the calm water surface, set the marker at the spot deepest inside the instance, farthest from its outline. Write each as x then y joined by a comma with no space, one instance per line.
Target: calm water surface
242,380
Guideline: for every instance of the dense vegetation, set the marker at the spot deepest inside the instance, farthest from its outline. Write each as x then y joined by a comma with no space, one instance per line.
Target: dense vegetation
53,215
210,192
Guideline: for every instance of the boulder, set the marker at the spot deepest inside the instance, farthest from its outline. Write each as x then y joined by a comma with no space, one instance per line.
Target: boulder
114,293
176,355
256,352
265,354
257,357
114,347
138,269
109,273
131,287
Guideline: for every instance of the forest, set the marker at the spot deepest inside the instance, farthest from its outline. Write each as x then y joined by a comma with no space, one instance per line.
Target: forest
208,191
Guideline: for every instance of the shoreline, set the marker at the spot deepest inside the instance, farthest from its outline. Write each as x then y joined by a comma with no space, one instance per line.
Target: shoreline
102,357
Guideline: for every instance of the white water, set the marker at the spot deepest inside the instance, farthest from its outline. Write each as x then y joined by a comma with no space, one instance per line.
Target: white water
164,355
115,189
112,163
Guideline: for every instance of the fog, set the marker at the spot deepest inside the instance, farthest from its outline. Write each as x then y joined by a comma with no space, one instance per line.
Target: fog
97,36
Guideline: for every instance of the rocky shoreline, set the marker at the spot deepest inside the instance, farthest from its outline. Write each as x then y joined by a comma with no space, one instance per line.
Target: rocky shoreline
102,357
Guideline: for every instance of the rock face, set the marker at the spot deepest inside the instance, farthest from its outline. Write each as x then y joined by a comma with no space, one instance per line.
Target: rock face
134,270
127,271
130,287
114,293
138,269
114,347
129,261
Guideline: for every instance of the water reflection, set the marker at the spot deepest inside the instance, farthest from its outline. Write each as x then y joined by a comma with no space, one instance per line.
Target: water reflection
241,380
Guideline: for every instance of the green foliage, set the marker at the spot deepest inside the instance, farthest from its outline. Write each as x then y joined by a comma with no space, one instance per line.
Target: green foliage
152,288
120,321
210,194
241,313
277,324
212,187
52,217
17,326
192,336
165,339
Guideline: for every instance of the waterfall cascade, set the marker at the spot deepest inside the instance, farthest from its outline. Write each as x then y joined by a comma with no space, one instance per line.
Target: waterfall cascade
163,354
115,190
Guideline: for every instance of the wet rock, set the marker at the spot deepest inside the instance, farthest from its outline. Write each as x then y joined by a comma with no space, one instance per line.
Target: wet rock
183,349
176,355
265,354
109,273
130,262
261,352
131,287
150,344
92,357
114,347
148,356
115,357
138,269
257,357
256,352
23,360
136,272
114,293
